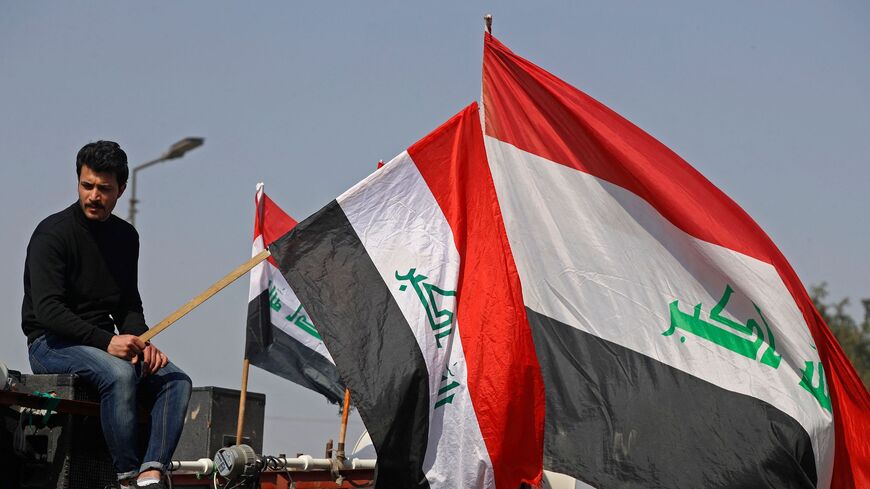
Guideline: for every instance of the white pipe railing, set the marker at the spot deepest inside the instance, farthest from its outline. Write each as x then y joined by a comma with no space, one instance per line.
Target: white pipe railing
302,463
203,466
363,463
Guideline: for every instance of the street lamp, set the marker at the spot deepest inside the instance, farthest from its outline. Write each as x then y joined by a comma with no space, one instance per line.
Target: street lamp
177,150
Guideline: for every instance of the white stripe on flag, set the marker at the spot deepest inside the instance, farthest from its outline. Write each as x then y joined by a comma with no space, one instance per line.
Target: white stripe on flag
285,311
407,235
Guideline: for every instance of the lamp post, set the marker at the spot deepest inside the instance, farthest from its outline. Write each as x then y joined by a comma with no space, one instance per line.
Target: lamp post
177,150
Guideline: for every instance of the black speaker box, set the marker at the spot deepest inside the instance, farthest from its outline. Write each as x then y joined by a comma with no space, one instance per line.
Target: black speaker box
64,451
210,423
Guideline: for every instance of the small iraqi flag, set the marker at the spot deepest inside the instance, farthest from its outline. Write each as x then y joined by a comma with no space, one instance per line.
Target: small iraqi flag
280,336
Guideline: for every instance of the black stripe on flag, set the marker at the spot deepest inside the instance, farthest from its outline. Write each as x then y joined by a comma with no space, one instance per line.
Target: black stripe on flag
327,266
273,350
616,418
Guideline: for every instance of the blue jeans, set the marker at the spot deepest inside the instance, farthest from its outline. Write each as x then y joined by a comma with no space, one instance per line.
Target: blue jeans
121,386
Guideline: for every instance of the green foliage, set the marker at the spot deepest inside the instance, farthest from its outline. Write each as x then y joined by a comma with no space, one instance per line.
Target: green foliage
854,337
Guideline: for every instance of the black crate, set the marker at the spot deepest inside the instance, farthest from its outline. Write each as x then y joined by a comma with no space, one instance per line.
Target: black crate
64,386
67,452
210,423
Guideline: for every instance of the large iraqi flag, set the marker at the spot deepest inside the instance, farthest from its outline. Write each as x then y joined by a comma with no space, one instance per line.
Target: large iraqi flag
410,280
280,337
678,347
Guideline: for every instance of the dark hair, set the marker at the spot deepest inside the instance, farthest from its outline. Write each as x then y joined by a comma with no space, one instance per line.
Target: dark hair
104,156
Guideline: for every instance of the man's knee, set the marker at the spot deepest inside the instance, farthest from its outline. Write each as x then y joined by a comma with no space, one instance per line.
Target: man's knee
176,380
182,384
118,378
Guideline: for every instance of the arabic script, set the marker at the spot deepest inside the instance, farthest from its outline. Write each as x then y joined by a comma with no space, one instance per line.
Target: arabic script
820,391
440,320
297,317
448,384
744,339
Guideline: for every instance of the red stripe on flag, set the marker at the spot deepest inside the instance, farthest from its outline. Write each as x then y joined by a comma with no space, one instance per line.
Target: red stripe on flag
504,378
536,112
575,130
271,221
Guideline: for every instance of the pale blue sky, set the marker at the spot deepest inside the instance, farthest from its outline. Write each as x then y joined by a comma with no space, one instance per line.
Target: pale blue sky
769,100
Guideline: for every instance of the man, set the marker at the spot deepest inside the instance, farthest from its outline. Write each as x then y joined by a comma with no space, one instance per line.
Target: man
80,284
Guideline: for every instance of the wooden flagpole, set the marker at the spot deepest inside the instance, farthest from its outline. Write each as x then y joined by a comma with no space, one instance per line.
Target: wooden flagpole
342,433
246,364
206,295
243,397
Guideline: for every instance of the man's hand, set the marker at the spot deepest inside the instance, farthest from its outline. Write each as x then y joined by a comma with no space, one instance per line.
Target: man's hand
152,359
126,346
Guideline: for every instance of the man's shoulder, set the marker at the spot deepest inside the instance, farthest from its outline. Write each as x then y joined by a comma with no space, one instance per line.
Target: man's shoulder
56,223
123,227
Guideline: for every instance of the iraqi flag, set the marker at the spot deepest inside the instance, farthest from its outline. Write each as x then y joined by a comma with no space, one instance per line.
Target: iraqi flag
678,347
410,280
281,338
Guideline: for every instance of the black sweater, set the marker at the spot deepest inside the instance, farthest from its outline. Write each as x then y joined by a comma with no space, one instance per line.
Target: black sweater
80,279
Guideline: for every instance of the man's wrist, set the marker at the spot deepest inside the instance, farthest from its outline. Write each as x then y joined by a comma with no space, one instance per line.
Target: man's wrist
101,338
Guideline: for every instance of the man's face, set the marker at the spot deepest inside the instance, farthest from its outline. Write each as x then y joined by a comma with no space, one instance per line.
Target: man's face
98,193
